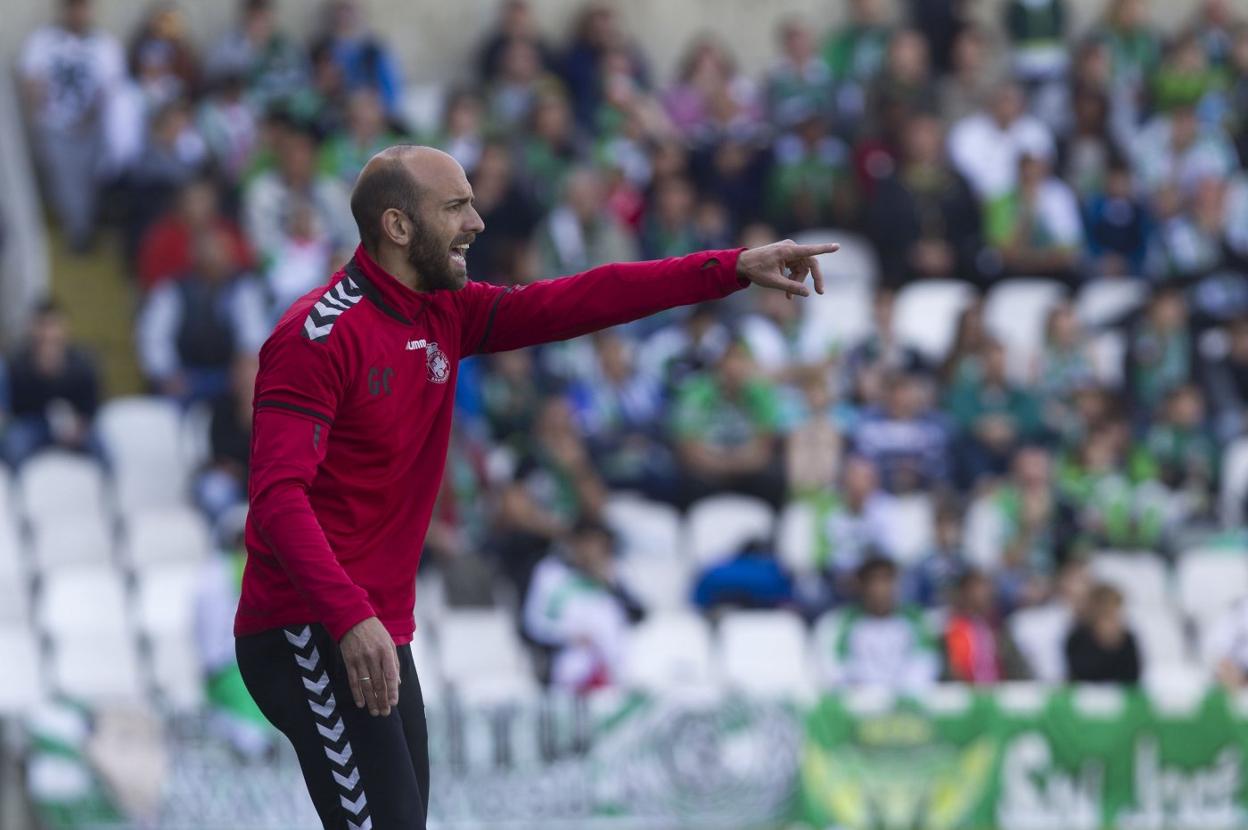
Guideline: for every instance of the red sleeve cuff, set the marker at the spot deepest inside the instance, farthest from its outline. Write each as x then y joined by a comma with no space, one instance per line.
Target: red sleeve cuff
725,264
348,618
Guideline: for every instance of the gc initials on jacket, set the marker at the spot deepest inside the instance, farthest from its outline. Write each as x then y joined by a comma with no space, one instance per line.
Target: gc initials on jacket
352,419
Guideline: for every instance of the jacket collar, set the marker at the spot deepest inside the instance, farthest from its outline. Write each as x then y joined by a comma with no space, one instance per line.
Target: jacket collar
394,298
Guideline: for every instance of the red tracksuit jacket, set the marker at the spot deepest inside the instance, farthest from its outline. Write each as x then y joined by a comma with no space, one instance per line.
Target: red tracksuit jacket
352,419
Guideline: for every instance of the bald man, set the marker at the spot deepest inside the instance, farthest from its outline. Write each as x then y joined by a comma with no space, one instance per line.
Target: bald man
353,407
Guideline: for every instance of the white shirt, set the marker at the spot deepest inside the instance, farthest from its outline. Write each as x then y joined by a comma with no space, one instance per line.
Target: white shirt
77,72
987,155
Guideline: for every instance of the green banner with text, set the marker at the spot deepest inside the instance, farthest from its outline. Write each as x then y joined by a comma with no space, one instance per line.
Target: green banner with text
1069,760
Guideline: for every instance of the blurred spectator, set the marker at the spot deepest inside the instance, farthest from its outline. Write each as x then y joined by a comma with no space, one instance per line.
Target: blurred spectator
554,486
222,484
173,154
941,21
879,645
229,128
1185,77
1185,453
191,328
969,338
462,132
855,54
1043,642
577,610
69,69
993,417
924,219
1134,47
165,248
1023,542
904,437
1101,648
777,339
811,184
978,650
800,85
933,580
53,391
367,134
882,351
668,228
711,99
550,150
272,63
1088,149
579,233
271,197
1118,225
161,57
750,578
302,260
459,527
619,408
682,348
852,522
1115,491
510,396
905,84
813,448
520,80
1227,384
987,147
1174,147
322,102
725,425
1213,25
1037,29
366,62
1036,227
516,25
597,33
1160,351
231,710
508,213
972,77
1062,369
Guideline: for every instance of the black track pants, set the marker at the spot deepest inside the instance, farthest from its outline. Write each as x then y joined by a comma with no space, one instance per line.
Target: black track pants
363,772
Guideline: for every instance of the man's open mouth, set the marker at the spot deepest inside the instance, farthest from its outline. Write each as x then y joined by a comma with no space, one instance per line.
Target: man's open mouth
459,254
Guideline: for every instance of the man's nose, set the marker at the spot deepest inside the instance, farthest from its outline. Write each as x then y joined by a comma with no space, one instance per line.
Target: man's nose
475,223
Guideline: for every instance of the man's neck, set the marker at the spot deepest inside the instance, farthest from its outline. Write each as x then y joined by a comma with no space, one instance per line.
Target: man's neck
395,263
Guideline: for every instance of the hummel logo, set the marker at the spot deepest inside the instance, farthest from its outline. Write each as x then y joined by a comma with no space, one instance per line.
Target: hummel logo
413,345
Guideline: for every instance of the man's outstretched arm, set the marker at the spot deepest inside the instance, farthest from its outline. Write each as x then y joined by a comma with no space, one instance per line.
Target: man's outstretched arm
496,319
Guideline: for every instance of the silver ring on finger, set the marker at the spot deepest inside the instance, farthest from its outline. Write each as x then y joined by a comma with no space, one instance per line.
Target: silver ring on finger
367,679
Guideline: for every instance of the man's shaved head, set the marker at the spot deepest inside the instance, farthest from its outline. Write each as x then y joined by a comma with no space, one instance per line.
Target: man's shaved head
417,198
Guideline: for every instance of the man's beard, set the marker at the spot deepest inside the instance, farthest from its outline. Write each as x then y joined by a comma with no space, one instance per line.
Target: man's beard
431,260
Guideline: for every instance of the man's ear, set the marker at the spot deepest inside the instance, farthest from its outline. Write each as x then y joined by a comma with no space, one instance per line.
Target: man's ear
396,227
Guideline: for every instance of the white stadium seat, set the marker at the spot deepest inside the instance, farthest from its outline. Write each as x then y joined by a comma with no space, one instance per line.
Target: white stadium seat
481,656
23,686
668,651
644,528
659,583
166,598
195,435
1040,634
1107,350
766,654
1141,576
87,540
720,525
1104,301
915,530
1211,581
838,319
57,485
176,671
926,315
14,598
98,669
177,534
1015,312
83,600
795,537
1234,483
143,437
1159,634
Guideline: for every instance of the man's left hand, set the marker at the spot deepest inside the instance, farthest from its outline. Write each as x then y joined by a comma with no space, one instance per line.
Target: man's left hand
784,266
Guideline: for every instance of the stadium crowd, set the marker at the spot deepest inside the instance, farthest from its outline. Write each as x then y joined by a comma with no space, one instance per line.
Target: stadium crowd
959,152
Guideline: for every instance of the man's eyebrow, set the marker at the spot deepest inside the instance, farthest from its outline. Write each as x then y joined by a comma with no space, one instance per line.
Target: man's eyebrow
459,200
